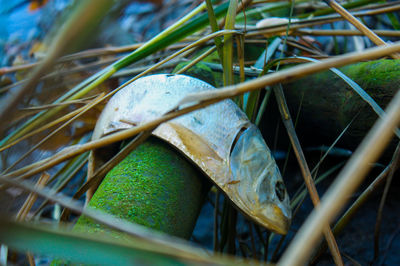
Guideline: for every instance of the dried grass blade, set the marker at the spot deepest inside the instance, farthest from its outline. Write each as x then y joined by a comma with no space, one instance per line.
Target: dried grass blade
172,34
201,100
306,173
173,246
345,184
396,160
302,32
288,75
64,176
26,207
37,145
356,23
359,202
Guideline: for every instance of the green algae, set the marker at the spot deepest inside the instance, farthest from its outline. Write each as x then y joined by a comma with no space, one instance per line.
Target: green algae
153,186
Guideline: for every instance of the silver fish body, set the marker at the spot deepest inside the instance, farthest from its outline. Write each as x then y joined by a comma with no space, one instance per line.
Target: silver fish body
219,139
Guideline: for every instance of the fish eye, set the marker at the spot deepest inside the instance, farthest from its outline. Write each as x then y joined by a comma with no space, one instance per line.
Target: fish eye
280,190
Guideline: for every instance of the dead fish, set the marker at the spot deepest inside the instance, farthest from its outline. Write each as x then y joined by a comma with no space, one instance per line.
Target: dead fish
219,139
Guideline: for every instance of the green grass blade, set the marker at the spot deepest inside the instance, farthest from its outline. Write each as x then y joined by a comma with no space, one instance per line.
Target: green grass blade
228,43
393,19
97,249
172,37
253,98
214,28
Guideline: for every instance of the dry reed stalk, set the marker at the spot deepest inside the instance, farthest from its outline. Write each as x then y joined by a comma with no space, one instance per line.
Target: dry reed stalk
305,170
203,99
356,23
26,207
345,184
302,32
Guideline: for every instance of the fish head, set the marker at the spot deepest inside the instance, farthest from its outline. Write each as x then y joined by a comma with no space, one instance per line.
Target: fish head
257,182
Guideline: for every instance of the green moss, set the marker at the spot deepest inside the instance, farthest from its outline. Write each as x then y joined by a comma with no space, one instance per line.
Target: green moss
329,104
153,186
374,74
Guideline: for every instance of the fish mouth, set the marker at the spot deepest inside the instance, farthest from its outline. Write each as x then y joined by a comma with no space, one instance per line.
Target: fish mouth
273,218
280,220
